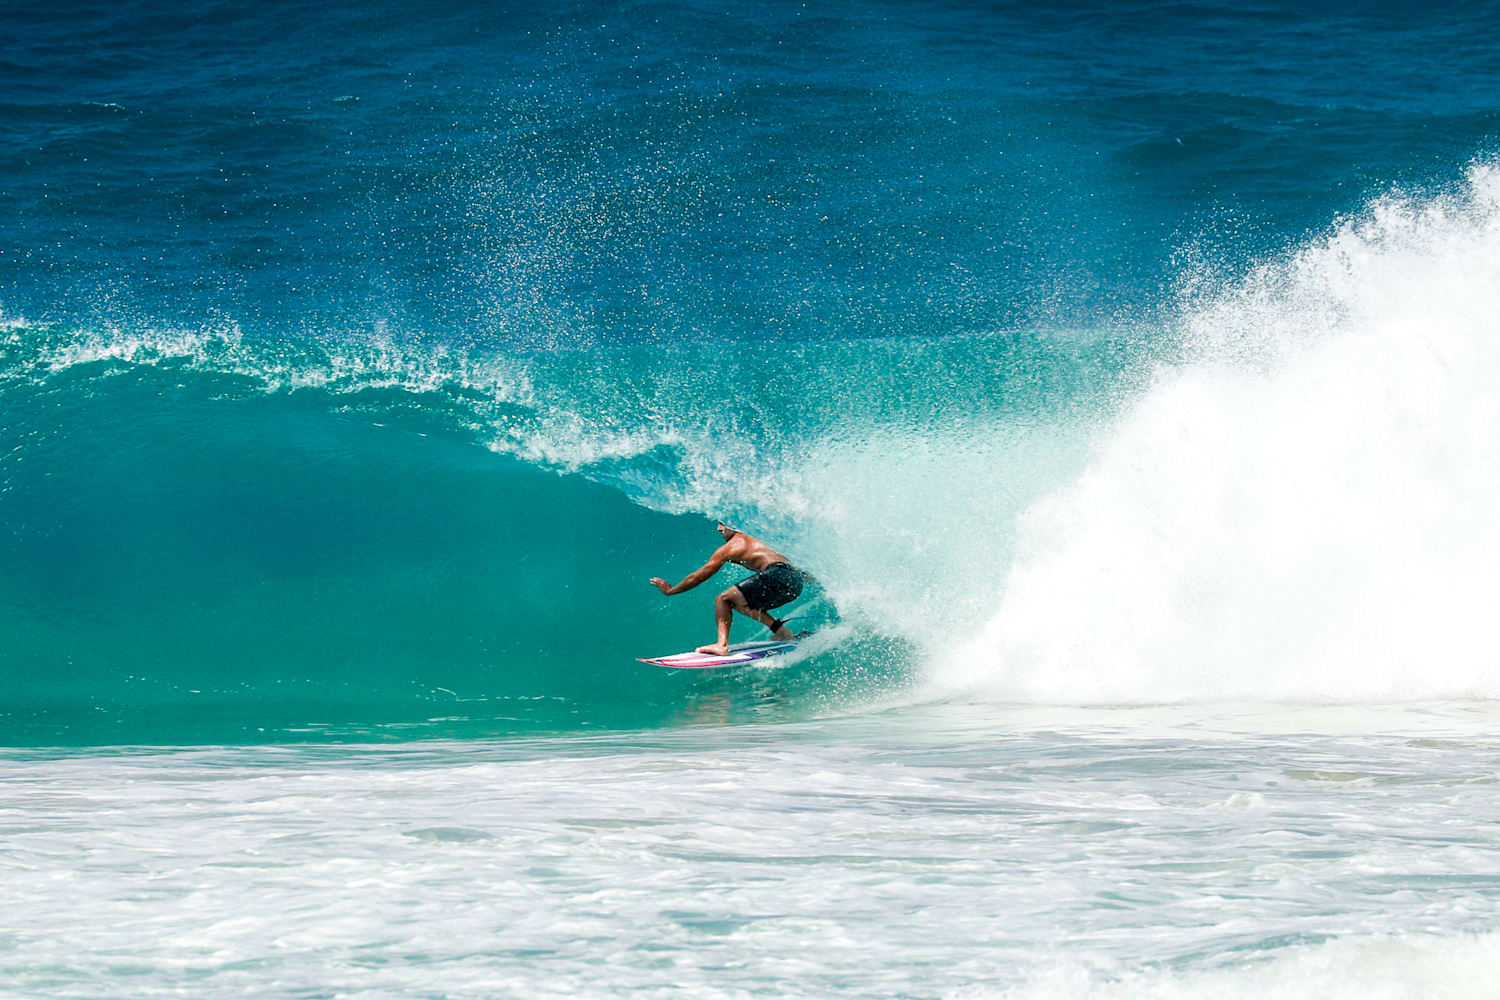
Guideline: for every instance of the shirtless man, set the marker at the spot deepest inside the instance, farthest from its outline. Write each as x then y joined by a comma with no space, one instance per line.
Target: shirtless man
775,583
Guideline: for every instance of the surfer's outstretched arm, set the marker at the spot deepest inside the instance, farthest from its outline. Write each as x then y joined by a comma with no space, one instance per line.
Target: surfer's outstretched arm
697,576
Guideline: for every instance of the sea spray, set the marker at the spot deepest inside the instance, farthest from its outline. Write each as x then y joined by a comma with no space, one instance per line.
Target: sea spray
1304,504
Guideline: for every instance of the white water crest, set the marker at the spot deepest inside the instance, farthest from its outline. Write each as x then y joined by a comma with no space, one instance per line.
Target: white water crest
1303,504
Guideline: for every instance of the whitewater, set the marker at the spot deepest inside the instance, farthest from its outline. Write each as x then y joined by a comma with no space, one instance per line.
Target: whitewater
1123,374
955,852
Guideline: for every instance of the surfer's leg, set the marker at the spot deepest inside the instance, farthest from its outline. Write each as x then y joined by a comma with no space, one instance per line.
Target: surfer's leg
742,604
768,621
723,611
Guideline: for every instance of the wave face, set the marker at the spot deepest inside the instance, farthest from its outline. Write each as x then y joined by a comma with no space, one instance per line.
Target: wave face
356,373
193,557
210,543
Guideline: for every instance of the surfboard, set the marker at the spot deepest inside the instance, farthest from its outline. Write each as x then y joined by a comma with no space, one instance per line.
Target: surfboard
739,654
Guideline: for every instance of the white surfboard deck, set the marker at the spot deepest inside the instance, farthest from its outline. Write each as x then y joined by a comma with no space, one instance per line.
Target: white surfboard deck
739,654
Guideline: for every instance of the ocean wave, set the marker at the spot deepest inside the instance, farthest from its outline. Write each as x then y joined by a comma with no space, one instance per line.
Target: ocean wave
1289,494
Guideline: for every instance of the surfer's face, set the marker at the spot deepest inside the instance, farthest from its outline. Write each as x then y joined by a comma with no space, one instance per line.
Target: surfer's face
726,530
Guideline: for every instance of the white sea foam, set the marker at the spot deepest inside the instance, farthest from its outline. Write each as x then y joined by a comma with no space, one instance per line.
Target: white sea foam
1305,505
1410,967
962,851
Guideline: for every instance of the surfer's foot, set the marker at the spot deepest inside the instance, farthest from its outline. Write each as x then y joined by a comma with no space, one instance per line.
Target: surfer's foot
716,649
784,634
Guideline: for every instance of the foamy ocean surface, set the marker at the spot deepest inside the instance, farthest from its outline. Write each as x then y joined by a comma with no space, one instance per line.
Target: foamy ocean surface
1124,373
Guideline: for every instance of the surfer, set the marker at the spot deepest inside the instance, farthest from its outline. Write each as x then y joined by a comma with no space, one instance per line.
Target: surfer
775,583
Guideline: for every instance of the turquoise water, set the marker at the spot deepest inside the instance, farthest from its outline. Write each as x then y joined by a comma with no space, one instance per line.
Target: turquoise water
1123,373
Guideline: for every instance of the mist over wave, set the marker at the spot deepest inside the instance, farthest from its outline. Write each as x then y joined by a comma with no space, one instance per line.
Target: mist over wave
1303,504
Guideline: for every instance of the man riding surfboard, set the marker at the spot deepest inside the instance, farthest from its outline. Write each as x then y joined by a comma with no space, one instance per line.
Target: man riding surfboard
775,583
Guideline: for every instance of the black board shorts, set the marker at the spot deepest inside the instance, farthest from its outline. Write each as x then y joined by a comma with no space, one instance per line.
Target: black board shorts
772,587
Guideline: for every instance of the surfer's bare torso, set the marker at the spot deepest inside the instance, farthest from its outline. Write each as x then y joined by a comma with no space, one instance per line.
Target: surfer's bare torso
750,552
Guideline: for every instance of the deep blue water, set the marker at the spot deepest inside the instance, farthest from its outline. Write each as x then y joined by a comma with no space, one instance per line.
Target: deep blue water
361,362
566,176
